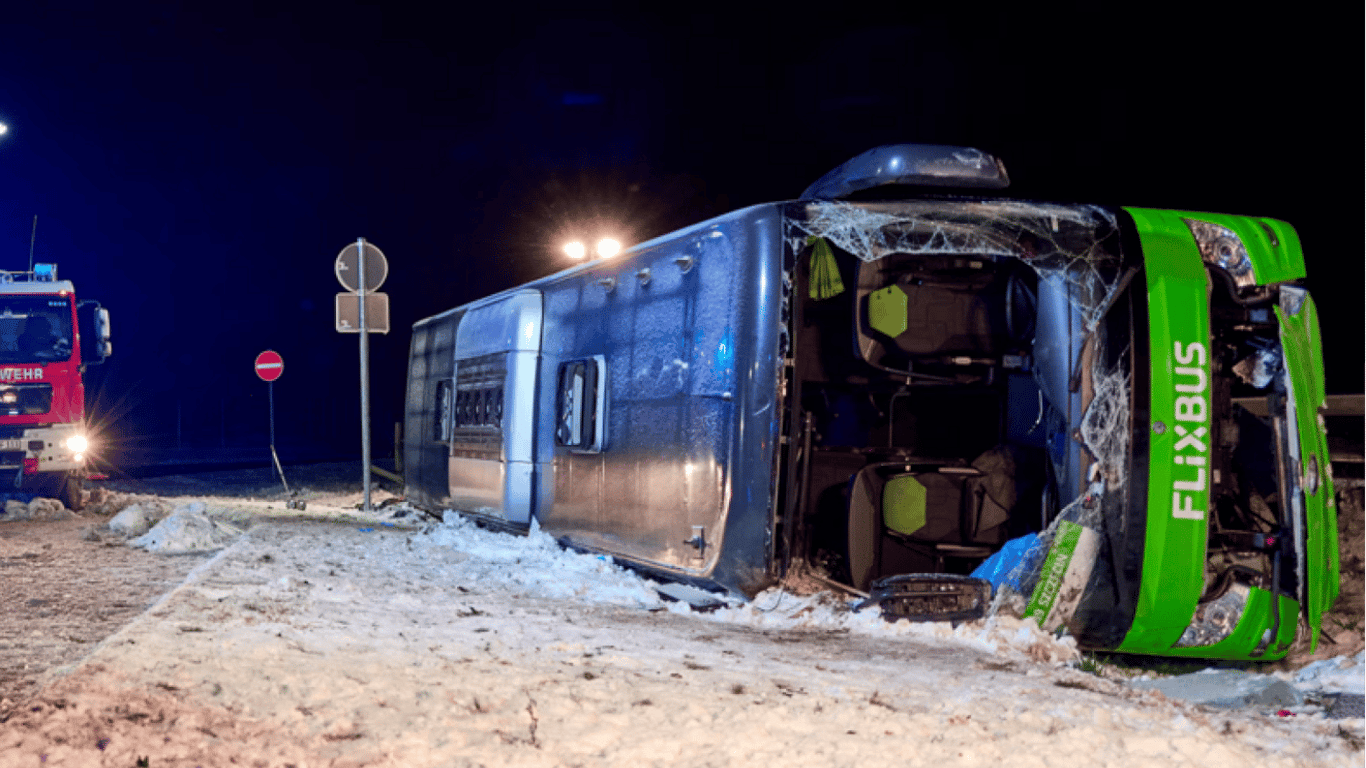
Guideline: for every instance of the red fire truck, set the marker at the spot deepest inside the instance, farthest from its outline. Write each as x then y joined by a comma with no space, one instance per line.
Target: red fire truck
47,338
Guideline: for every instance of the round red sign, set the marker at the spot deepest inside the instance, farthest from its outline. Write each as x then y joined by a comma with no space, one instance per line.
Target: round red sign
269,365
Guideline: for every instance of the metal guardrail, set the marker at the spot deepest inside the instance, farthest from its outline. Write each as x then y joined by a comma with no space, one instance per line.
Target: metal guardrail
1344,417
1334,405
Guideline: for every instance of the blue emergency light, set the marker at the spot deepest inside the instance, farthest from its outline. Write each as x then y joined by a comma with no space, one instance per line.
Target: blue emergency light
44,273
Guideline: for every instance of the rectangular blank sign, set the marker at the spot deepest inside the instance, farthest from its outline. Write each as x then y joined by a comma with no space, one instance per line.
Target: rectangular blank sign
376,312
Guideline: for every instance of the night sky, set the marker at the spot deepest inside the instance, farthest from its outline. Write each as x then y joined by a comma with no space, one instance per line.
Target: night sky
197,169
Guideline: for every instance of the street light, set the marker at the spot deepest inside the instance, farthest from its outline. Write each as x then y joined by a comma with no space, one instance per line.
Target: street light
605,249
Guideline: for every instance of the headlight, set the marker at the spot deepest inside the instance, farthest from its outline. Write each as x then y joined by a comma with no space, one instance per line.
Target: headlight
1221,247
77,444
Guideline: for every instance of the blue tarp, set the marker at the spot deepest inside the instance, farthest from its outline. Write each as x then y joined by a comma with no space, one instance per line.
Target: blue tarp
1001,568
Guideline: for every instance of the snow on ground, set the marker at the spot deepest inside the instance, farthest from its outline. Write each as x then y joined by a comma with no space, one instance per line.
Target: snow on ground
1340,675
544,569
355,641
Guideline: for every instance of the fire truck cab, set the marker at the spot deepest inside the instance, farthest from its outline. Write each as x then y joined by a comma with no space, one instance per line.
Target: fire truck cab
47,338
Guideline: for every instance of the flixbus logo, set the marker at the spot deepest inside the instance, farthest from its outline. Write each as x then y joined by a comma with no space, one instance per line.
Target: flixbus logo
21,374
1190,417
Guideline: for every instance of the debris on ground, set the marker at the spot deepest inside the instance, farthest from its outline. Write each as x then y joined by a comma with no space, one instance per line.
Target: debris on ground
36,509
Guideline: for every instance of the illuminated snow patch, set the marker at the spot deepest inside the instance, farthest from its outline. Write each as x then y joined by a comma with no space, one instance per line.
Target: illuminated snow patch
536,566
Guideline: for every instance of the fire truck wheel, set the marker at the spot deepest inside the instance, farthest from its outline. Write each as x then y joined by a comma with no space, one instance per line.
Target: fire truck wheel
72,492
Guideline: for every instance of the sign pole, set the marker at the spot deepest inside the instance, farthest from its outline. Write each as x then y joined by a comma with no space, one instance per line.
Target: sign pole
269,365
279,470
354,275
364,378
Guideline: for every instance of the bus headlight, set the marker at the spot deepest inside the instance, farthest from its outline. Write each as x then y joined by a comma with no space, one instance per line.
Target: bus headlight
1221,247
77,444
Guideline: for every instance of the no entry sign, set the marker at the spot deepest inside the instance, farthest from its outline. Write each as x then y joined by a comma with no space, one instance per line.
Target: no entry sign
269,365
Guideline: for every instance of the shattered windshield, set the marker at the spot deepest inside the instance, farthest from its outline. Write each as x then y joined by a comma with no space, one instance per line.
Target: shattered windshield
34,329
1075,238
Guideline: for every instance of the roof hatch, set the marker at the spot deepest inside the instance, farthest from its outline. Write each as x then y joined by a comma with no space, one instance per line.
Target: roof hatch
922,165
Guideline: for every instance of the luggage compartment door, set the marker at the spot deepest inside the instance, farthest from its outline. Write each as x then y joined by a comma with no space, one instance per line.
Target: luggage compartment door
497,348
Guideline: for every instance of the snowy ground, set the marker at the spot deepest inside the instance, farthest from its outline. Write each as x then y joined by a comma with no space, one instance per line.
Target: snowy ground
345,640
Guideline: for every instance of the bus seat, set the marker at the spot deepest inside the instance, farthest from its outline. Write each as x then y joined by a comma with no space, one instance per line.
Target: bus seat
947,512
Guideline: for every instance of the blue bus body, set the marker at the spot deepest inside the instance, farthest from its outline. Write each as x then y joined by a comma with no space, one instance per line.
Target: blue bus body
675,350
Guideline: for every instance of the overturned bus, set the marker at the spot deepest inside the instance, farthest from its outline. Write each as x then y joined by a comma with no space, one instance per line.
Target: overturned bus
897,377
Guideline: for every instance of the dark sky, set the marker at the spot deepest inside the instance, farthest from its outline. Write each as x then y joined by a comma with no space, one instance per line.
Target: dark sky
198,169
